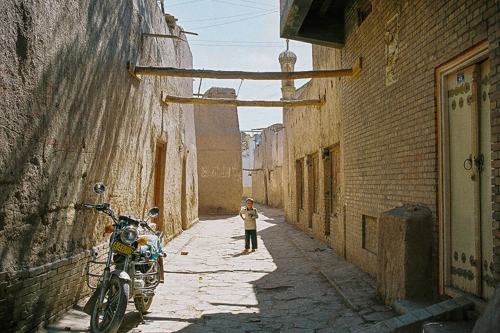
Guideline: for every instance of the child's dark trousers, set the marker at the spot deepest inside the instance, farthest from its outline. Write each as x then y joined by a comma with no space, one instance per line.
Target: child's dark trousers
250,234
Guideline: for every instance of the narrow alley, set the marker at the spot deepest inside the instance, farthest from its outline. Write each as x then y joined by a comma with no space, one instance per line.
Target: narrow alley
287,285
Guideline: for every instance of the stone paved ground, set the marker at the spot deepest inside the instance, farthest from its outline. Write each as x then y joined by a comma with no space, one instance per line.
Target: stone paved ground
291,284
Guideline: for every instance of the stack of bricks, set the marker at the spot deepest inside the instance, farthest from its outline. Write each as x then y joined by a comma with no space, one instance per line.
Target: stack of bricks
30,299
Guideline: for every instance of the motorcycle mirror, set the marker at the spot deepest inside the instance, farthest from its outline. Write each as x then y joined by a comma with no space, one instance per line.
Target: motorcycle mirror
154,212
99,188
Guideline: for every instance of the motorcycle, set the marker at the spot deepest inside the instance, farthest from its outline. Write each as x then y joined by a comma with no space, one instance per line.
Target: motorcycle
138,268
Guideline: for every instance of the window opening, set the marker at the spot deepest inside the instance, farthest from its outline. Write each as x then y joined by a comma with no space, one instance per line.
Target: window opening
364,11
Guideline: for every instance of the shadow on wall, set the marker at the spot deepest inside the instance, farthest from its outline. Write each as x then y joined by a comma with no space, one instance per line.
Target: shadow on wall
64,129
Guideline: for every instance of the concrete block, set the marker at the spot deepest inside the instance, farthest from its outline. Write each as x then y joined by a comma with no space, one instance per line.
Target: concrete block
393,323
421,314
449,305
408,319
405,254
463,302
435,310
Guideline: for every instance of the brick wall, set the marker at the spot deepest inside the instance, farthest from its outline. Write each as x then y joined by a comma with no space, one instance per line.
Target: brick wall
34,297
390,121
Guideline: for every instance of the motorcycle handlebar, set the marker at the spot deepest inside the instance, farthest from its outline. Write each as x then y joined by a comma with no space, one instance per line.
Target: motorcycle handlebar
98,207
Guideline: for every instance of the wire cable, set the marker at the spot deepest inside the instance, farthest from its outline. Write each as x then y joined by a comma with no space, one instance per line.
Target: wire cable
217,25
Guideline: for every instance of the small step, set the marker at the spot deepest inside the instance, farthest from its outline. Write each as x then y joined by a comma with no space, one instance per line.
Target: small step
412,321
403,307
449,327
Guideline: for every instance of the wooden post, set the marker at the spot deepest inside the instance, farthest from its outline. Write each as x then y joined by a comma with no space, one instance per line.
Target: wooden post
211,74
234,102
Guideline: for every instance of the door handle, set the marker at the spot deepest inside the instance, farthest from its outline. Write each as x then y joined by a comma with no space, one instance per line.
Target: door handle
468,163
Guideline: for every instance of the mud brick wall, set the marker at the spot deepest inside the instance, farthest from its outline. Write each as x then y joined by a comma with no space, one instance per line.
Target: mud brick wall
390,121
218,142
311,130
70,116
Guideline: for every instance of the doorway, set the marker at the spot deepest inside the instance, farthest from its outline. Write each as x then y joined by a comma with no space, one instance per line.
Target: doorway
332,189
159,182
465,177
184,218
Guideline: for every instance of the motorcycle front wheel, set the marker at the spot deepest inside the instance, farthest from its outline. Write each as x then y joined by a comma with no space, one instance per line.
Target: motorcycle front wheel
107,317
143,303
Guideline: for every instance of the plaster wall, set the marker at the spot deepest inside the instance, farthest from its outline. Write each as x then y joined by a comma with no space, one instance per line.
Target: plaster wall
71,115
268,165
218,141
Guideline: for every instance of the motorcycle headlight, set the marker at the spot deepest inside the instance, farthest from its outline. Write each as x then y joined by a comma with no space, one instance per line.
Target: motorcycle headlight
129,235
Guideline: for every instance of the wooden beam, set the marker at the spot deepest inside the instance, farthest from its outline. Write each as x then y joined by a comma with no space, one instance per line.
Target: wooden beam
144,34
234,102
211,74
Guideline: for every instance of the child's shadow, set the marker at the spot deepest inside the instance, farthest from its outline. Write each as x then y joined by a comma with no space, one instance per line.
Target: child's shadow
238,237
240,254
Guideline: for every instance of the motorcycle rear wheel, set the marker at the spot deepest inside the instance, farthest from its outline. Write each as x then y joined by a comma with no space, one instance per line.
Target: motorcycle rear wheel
142,304
108,317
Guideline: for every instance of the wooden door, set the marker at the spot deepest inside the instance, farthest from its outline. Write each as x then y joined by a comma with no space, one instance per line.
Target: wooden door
335,182
470,246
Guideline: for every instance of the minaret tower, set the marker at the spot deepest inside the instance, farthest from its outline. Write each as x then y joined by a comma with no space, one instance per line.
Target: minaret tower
287,61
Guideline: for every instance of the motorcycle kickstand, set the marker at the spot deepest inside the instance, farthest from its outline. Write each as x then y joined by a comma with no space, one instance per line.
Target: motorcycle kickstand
141,317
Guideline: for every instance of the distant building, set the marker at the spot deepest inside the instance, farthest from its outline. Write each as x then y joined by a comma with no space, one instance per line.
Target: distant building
218,141
267,180
249,144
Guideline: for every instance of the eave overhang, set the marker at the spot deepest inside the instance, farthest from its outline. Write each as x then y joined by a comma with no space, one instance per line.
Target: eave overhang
318,22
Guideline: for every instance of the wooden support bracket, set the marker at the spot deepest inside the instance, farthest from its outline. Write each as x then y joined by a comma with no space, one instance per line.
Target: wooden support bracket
131,70
356,68
145,35
167,99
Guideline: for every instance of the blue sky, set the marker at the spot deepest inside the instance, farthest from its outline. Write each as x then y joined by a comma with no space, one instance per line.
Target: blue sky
239,35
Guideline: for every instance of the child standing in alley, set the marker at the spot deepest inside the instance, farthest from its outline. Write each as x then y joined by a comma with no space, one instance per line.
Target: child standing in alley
250,215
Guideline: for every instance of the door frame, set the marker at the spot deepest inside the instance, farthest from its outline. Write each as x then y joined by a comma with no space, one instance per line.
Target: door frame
473,56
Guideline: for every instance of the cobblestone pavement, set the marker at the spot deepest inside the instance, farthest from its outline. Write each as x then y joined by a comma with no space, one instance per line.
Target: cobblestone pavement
293,283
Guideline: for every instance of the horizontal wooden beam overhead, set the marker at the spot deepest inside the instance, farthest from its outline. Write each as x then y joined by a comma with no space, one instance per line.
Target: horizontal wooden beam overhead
235,102
240,75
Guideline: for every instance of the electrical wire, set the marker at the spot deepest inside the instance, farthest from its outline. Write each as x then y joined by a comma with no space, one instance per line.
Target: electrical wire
183,3
226,17
257,3
217,25
235,4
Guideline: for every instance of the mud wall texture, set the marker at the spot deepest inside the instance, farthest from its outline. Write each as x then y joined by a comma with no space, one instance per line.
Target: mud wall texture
218,141
267,179
71,115
313,131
